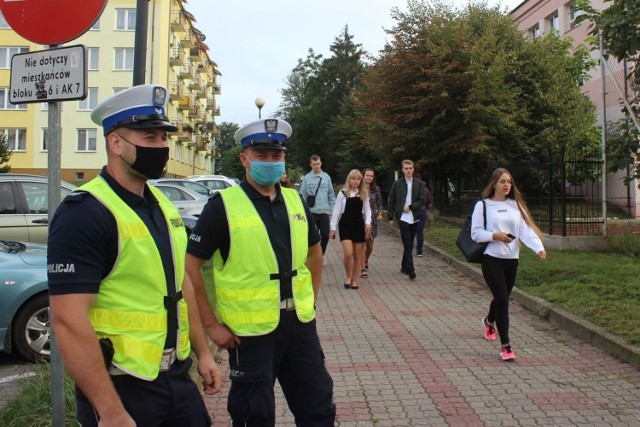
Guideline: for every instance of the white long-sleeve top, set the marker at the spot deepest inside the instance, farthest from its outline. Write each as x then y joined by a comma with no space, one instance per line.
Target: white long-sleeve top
503,216
341,203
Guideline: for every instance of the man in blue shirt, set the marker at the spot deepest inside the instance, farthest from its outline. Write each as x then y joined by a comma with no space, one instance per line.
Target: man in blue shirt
317,190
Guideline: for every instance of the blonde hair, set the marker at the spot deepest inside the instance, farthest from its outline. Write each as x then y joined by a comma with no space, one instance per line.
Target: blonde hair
514,194
362,190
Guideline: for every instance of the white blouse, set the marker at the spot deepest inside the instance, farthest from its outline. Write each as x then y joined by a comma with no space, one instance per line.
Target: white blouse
503,216
341,203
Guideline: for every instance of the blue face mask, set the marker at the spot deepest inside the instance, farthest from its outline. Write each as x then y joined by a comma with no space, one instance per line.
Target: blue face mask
266,173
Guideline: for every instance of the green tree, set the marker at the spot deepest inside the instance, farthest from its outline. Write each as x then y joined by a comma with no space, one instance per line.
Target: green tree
228,164
464,92
314,94
5,154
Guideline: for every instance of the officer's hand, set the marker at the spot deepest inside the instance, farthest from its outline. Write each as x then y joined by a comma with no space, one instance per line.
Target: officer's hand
210,373
222,336
391,222
118,419
332,234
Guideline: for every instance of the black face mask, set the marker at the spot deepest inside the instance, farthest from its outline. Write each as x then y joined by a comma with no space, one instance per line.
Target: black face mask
150,162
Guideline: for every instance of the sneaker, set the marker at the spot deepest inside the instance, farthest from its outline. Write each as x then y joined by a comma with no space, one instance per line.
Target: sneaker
419,255
489,330
324,260
506,353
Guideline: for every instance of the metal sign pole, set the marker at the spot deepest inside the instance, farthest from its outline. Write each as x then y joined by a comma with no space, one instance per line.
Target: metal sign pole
53,157
140,47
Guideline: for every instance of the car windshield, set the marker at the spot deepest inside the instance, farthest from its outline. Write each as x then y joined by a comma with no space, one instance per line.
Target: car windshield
11,247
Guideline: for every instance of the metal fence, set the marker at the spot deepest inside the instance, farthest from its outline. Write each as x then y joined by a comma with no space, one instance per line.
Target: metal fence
563,193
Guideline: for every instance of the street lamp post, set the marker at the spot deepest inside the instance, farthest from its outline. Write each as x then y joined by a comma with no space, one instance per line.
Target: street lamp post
260,103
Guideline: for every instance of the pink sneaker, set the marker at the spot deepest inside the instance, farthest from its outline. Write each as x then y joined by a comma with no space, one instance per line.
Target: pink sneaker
506,353
489,330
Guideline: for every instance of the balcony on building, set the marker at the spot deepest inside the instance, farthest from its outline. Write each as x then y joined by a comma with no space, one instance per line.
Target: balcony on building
202,142
196,83
194,54
178,22
184,72
195,112
177,56
202,93
176,90
184,103
188,40
211,103
185,132
217,89
216,111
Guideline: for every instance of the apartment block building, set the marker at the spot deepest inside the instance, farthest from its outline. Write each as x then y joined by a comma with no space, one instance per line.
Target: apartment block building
177,58
606,86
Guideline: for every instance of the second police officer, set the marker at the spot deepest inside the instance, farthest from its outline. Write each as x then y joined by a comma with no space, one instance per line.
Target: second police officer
267,267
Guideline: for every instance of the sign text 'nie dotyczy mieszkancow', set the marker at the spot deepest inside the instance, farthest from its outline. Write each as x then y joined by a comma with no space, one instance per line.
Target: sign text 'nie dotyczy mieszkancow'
49,75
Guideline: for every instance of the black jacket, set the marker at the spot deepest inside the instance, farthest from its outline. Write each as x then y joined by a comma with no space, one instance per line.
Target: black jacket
398,194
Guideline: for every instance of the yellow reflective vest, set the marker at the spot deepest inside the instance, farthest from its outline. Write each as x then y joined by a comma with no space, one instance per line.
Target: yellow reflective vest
247,298
129,308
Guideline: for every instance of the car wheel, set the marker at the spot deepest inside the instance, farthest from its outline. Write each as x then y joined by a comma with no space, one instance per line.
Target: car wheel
30,331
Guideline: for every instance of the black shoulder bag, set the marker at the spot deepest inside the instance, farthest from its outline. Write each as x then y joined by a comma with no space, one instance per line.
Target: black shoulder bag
471,249
311,200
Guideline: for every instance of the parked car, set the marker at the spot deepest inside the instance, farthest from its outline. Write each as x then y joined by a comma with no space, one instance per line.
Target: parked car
187,201
182,182
24,207
214,182
24,300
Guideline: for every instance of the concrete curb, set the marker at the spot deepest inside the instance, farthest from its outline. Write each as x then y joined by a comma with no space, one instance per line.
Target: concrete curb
575,325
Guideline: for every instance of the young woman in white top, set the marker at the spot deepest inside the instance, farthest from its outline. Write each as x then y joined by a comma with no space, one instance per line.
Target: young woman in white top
508,223
352,216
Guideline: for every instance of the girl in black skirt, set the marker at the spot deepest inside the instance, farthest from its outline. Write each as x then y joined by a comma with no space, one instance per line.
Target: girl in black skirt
352,216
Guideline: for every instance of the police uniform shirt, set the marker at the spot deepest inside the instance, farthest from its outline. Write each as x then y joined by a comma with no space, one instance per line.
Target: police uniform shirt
211,232
83,243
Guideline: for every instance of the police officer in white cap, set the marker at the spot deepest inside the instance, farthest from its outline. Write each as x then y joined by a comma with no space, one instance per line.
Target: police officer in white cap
118,288
267,270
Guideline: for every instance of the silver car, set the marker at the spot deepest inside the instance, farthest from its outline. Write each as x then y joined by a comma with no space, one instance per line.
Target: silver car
182,182
187,202
24,207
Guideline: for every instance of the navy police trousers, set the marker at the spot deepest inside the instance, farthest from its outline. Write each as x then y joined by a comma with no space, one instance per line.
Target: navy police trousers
292,355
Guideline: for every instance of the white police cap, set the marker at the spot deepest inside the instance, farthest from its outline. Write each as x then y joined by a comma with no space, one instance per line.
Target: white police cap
265,133
139,107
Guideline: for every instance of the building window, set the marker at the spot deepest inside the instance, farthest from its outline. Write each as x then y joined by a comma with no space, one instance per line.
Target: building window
124,58
573,14
79,176
90,101
126,19
4,101
86,140
3,22
178,152
93,60
96,25
16,138
45,139
553,22
534,32
7,52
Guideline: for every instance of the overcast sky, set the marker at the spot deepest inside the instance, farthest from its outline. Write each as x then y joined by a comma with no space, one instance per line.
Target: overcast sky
256,43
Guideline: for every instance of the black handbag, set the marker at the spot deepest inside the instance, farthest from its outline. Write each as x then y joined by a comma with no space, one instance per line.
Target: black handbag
311,200
471,249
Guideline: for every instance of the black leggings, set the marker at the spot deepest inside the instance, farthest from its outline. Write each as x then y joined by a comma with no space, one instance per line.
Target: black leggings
500,275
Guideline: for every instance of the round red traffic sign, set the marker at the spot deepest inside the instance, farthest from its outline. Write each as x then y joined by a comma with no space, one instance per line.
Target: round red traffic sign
51,21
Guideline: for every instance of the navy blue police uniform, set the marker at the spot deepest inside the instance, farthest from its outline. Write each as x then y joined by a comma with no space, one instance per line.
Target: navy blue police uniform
82,250
291,353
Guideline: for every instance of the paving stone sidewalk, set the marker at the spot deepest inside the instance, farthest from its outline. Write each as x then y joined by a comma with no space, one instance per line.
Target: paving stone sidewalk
411,353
